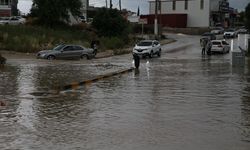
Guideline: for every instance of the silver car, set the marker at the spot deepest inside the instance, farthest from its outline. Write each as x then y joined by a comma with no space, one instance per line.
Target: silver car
67,52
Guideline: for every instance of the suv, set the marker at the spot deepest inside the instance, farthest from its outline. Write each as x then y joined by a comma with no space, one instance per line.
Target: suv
147,48
220,46
230,33
67,52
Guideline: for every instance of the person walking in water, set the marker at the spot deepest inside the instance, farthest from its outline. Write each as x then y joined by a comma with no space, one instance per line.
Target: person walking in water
204,45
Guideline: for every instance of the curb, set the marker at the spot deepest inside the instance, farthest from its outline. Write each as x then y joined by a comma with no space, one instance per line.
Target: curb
76,85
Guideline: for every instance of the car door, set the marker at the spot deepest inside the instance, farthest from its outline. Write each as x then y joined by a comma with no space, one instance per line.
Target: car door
67,52
78,50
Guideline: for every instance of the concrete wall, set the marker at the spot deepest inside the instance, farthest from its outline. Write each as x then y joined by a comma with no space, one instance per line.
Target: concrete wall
197,17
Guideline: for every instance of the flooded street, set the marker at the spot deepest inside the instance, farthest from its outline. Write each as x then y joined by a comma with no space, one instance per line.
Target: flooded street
179,101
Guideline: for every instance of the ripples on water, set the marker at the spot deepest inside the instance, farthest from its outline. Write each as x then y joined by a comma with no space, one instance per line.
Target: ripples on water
173,104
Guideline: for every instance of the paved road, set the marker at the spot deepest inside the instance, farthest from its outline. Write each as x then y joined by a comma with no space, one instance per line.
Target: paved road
179,101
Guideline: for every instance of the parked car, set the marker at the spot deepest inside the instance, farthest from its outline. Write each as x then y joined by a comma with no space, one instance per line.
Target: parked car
4,20
230,33
242,31
207,35
16,20
220,46
217,30
82,19
67,52
147,48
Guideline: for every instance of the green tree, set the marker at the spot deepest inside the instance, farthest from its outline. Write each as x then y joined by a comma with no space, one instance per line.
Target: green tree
52,12
110,23
247,15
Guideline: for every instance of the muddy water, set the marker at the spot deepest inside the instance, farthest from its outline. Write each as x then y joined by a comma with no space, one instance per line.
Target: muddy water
180,103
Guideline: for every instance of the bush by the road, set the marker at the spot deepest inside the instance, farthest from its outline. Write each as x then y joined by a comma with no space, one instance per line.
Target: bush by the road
33,39
30,39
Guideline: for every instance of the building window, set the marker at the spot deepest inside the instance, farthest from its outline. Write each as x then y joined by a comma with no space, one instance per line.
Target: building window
186,4
174,5
4,2
202,4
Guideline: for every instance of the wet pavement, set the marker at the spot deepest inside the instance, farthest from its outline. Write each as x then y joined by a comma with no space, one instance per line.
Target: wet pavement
179,101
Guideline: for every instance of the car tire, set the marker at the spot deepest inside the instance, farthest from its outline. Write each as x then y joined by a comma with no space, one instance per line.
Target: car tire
51,57
151,54
85,56
159,53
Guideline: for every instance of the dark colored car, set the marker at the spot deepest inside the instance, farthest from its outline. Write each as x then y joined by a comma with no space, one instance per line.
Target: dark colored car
67,52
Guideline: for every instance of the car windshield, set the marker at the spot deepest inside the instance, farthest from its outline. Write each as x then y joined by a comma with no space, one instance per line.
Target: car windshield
216,43
230,30
59,47
207,34
145,43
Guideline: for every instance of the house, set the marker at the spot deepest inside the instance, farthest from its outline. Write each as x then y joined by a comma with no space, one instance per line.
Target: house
5,8
200,13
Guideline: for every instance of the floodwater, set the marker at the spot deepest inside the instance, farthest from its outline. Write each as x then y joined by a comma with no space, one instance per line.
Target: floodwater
179,101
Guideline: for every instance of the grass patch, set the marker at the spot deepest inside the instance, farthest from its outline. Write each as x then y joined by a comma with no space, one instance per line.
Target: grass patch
33,39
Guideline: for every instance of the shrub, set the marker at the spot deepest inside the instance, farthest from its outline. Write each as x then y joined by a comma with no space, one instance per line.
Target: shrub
33,39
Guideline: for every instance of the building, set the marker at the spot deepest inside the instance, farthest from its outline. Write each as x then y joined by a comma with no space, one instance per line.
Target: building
5,8
200,13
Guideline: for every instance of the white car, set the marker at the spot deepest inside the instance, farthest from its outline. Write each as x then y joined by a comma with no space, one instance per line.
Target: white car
4,20
12,20
220,46
147,48
217,30
16,21
230,33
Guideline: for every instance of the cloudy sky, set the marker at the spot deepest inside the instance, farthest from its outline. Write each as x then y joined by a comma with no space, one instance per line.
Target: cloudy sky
24,5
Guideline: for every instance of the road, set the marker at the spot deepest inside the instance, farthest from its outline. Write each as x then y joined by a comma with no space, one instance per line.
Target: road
178,101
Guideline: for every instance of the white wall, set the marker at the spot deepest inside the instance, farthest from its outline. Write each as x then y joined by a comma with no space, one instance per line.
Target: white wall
197,17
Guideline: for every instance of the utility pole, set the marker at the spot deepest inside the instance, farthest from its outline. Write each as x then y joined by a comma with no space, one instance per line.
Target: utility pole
111,5
106,3
156,18
120,5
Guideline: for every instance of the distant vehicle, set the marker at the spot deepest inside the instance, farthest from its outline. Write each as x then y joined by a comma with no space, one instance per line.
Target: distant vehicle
82,19
147,48
230,33
218,25
242,31
16,20
207,35
217,30
67,52
4,20
220,46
